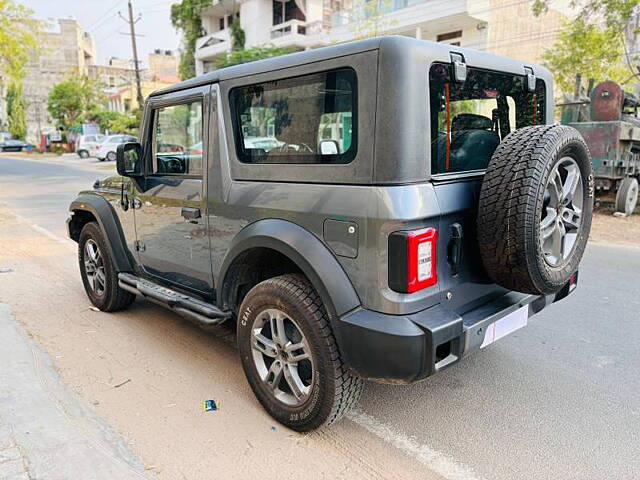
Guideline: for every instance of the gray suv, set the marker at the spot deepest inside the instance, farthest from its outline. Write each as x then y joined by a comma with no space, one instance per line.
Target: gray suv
373,210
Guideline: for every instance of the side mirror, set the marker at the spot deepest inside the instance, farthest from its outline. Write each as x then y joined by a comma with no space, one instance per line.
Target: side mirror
128,159
329,147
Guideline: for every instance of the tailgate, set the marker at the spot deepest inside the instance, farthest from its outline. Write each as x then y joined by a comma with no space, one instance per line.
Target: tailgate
461,275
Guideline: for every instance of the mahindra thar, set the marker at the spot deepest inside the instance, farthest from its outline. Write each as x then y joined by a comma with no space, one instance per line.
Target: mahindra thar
372,210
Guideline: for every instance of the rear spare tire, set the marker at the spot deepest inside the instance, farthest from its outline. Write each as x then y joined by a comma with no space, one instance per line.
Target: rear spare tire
536,203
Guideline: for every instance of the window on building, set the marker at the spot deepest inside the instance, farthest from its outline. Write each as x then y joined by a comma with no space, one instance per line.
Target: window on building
286,10
308,119
452,38
470,119
221,23
177,144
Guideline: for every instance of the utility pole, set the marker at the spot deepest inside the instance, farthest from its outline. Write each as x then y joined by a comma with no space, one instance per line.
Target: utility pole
132,32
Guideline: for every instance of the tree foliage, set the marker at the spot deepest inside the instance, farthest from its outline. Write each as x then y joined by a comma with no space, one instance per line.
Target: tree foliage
187,17
18,37
251,54
589,50
15,109
616,13
115,122
71,100
237,34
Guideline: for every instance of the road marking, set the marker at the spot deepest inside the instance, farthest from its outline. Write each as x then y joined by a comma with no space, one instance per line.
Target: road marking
44,231
438,462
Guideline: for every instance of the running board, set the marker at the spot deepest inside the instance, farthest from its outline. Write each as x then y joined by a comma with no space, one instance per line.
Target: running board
199,312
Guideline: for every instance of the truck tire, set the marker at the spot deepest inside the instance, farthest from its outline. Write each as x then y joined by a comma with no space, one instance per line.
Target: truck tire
536,203
627,196
98,271
306,387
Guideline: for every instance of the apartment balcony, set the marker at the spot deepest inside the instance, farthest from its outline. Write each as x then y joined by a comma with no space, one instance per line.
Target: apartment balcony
213,45
400,16
297,33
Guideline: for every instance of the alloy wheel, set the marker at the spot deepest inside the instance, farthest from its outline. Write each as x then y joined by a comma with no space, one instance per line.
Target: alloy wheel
282,357
94,267
561,212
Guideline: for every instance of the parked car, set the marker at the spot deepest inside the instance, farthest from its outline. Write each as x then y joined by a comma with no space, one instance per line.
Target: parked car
420,207
86,144
12,145
106,150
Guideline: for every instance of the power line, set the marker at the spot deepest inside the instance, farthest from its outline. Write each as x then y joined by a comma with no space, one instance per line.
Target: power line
103,16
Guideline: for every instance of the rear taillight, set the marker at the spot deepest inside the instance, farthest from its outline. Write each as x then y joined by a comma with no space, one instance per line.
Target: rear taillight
412,260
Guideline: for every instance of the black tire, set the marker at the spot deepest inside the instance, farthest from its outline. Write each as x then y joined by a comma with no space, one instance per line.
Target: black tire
333,390
112,297
101,159
111,156
83,154
627,196
515,200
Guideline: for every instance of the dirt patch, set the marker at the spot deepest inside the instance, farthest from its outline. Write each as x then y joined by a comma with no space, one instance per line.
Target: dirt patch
612,230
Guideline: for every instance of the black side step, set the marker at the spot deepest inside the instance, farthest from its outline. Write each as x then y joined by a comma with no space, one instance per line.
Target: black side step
191,308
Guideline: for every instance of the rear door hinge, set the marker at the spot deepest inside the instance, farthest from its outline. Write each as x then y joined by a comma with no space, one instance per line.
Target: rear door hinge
459,67
531,79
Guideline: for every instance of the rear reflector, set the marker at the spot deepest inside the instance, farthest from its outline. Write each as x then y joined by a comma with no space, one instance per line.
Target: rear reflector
412,260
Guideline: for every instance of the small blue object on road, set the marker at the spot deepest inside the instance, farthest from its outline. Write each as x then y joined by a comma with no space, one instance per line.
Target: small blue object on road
209,405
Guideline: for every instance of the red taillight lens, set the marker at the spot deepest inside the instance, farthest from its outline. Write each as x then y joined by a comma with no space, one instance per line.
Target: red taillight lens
412,260
421,259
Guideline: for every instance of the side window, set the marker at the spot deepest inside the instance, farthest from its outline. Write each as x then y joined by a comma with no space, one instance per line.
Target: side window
307,119
470,119
177,139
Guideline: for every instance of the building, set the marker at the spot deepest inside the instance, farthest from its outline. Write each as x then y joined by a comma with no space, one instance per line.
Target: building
162,72
67,49
505,27
163,62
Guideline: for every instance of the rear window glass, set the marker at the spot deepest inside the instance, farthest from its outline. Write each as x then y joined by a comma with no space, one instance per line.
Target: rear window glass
307,119
470,119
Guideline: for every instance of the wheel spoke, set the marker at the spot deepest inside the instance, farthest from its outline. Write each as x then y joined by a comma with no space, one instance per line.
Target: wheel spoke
548,223
293,380
291,348
277,329
274,375
570,183
264,345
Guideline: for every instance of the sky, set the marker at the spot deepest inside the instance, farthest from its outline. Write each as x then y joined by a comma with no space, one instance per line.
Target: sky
100,19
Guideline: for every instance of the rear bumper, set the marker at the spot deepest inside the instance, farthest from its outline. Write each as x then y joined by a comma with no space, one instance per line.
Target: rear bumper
407,348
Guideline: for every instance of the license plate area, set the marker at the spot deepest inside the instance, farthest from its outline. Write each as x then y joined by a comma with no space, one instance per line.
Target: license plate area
506,325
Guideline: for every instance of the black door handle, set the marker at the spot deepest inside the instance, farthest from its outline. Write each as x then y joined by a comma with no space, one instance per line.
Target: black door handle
454,248
191,213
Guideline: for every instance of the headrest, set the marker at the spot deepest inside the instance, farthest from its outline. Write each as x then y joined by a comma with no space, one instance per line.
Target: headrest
471,121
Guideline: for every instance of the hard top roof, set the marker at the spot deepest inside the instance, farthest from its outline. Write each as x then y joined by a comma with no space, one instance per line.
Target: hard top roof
393,45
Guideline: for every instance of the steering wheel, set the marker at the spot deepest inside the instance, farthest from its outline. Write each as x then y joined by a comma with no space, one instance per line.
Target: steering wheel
289,147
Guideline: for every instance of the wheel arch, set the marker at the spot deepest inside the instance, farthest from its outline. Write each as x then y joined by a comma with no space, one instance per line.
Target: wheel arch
88,207
299,247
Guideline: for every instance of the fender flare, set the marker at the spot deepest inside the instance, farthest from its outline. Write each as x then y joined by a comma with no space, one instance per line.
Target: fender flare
304,249
108,221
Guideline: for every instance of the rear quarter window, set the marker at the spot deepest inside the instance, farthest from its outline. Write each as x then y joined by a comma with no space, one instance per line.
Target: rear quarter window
470,119
309,119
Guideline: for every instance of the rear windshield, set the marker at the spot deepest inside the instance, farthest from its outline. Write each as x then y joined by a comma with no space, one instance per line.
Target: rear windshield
469,119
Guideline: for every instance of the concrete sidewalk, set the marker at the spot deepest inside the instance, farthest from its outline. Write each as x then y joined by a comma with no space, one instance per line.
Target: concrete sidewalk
46,433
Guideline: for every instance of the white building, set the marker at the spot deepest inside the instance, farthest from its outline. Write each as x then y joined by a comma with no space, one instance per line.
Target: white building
495,25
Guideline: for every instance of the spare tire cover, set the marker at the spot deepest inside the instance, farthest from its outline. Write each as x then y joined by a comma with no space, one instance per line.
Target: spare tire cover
536,203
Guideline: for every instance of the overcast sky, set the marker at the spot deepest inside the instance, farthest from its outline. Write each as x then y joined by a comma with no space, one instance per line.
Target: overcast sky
100,19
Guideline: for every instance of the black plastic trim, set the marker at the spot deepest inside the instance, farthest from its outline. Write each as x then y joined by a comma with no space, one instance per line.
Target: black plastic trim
398,262
108,221
303,248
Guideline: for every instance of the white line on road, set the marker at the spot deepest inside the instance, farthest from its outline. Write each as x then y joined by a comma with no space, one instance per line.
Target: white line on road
438,462
44,231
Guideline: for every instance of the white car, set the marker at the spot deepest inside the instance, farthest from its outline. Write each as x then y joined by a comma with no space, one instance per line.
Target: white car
107,149
86,144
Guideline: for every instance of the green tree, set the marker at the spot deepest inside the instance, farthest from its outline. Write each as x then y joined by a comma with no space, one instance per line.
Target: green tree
71,100
616,13
18,37
251,54
187,17
587,49
15,110
237,34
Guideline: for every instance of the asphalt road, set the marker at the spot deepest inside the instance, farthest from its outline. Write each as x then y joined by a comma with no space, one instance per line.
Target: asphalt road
557,399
